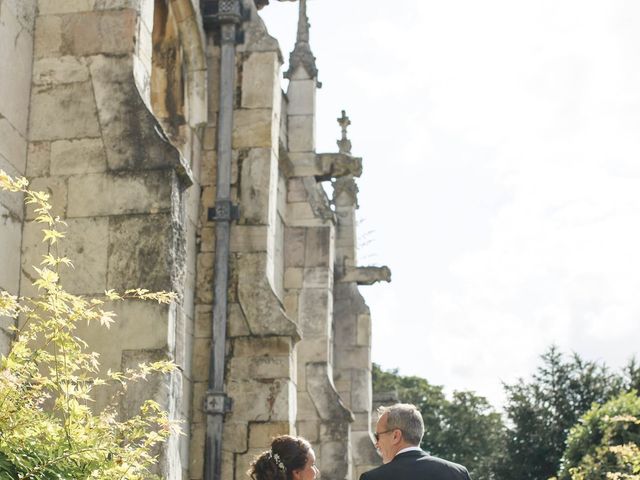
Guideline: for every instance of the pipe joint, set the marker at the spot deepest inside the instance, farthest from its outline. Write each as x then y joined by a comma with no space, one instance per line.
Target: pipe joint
224,211
217,403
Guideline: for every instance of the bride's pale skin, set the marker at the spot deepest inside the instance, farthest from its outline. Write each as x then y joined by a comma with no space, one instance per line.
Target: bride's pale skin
310,471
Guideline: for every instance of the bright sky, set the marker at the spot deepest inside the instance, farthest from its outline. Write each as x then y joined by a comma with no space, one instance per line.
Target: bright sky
501,185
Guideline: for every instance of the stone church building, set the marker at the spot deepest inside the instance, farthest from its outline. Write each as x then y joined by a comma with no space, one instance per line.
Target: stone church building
162,131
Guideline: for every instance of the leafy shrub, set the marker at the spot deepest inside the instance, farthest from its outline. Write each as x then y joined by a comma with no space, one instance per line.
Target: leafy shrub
47,381
605,443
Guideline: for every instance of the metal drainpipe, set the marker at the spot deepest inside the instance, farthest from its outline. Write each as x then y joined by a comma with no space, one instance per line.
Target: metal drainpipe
224,15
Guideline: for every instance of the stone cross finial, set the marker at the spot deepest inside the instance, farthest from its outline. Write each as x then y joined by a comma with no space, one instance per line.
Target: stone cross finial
344,144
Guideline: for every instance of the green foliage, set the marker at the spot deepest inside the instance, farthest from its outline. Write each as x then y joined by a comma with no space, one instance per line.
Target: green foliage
605,443
541,412
49,378
465,429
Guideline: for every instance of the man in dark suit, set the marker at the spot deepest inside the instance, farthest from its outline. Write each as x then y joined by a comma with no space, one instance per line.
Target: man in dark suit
398,434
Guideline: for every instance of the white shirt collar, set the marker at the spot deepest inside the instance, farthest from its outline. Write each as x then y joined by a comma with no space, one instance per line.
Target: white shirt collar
408,449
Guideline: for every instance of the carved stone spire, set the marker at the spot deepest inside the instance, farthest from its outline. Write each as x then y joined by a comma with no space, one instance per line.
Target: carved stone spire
302,55
344,144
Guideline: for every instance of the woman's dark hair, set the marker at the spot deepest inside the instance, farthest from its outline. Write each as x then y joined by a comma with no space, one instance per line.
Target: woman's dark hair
286,455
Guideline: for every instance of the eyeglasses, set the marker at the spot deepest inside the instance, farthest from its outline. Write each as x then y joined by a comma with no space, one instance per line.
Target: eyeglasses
376,435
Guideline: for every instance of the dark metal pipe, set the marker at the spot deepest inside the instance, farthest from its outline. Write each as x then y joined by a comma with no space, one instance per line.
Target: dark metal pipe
227,15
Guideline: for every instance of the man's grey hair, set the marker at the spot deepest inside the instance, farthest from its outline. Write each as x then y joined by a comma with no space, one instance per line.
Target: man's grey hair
406,418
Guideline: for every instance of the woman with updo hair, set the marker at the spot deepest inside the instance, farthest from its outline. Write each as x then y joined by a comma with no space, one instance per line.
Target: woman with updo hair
290,458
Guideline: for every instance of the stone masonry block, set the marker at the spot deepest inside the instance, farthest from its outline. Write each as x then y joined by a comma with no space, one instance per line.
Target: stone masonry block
48,36
86,243
261,434
235,436
138,325
139,252
361,390
91,33
263,400
58,191
302,97
259,179
263,367
253,128
196,448
237,324
318,247
261,346
260,82
296,191
69,157
10,240
38,155
13,145
315,310
318,277
300,214
201,352
294,244
52,7
16,54
293,278
203,321
248,238
290,303
355,357
208,170
204,278
309,430
109,194
364,330
153,387
306,408
197,402
311,349
301,133
57,70
63,111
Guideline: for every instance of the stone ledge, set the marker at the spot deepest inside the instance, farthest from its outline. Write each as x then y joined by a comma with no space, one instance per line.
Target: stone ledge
365,275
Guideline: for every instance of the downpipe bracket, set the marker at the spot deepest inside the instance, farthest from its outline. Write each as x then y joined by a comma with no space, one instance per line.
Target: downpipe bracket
217,403
224,211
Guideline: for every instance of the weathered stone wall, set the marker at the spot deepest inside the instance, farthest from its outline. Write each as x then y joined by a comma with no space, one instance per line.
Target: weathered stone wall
17,18
122,183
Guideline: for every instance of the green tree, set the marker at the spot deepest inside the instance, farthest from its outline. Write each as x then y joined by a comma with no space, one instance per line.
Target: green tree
541,412
48,430
605,443
465,429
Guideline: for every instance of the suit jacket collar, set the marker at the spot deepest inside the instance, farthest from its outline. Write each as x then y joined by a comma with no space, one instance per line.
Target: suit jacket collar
410,454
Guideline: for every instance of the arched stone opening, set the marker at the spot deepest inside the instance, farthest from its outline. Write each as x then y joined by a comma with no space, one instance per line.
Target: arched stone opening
167,73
